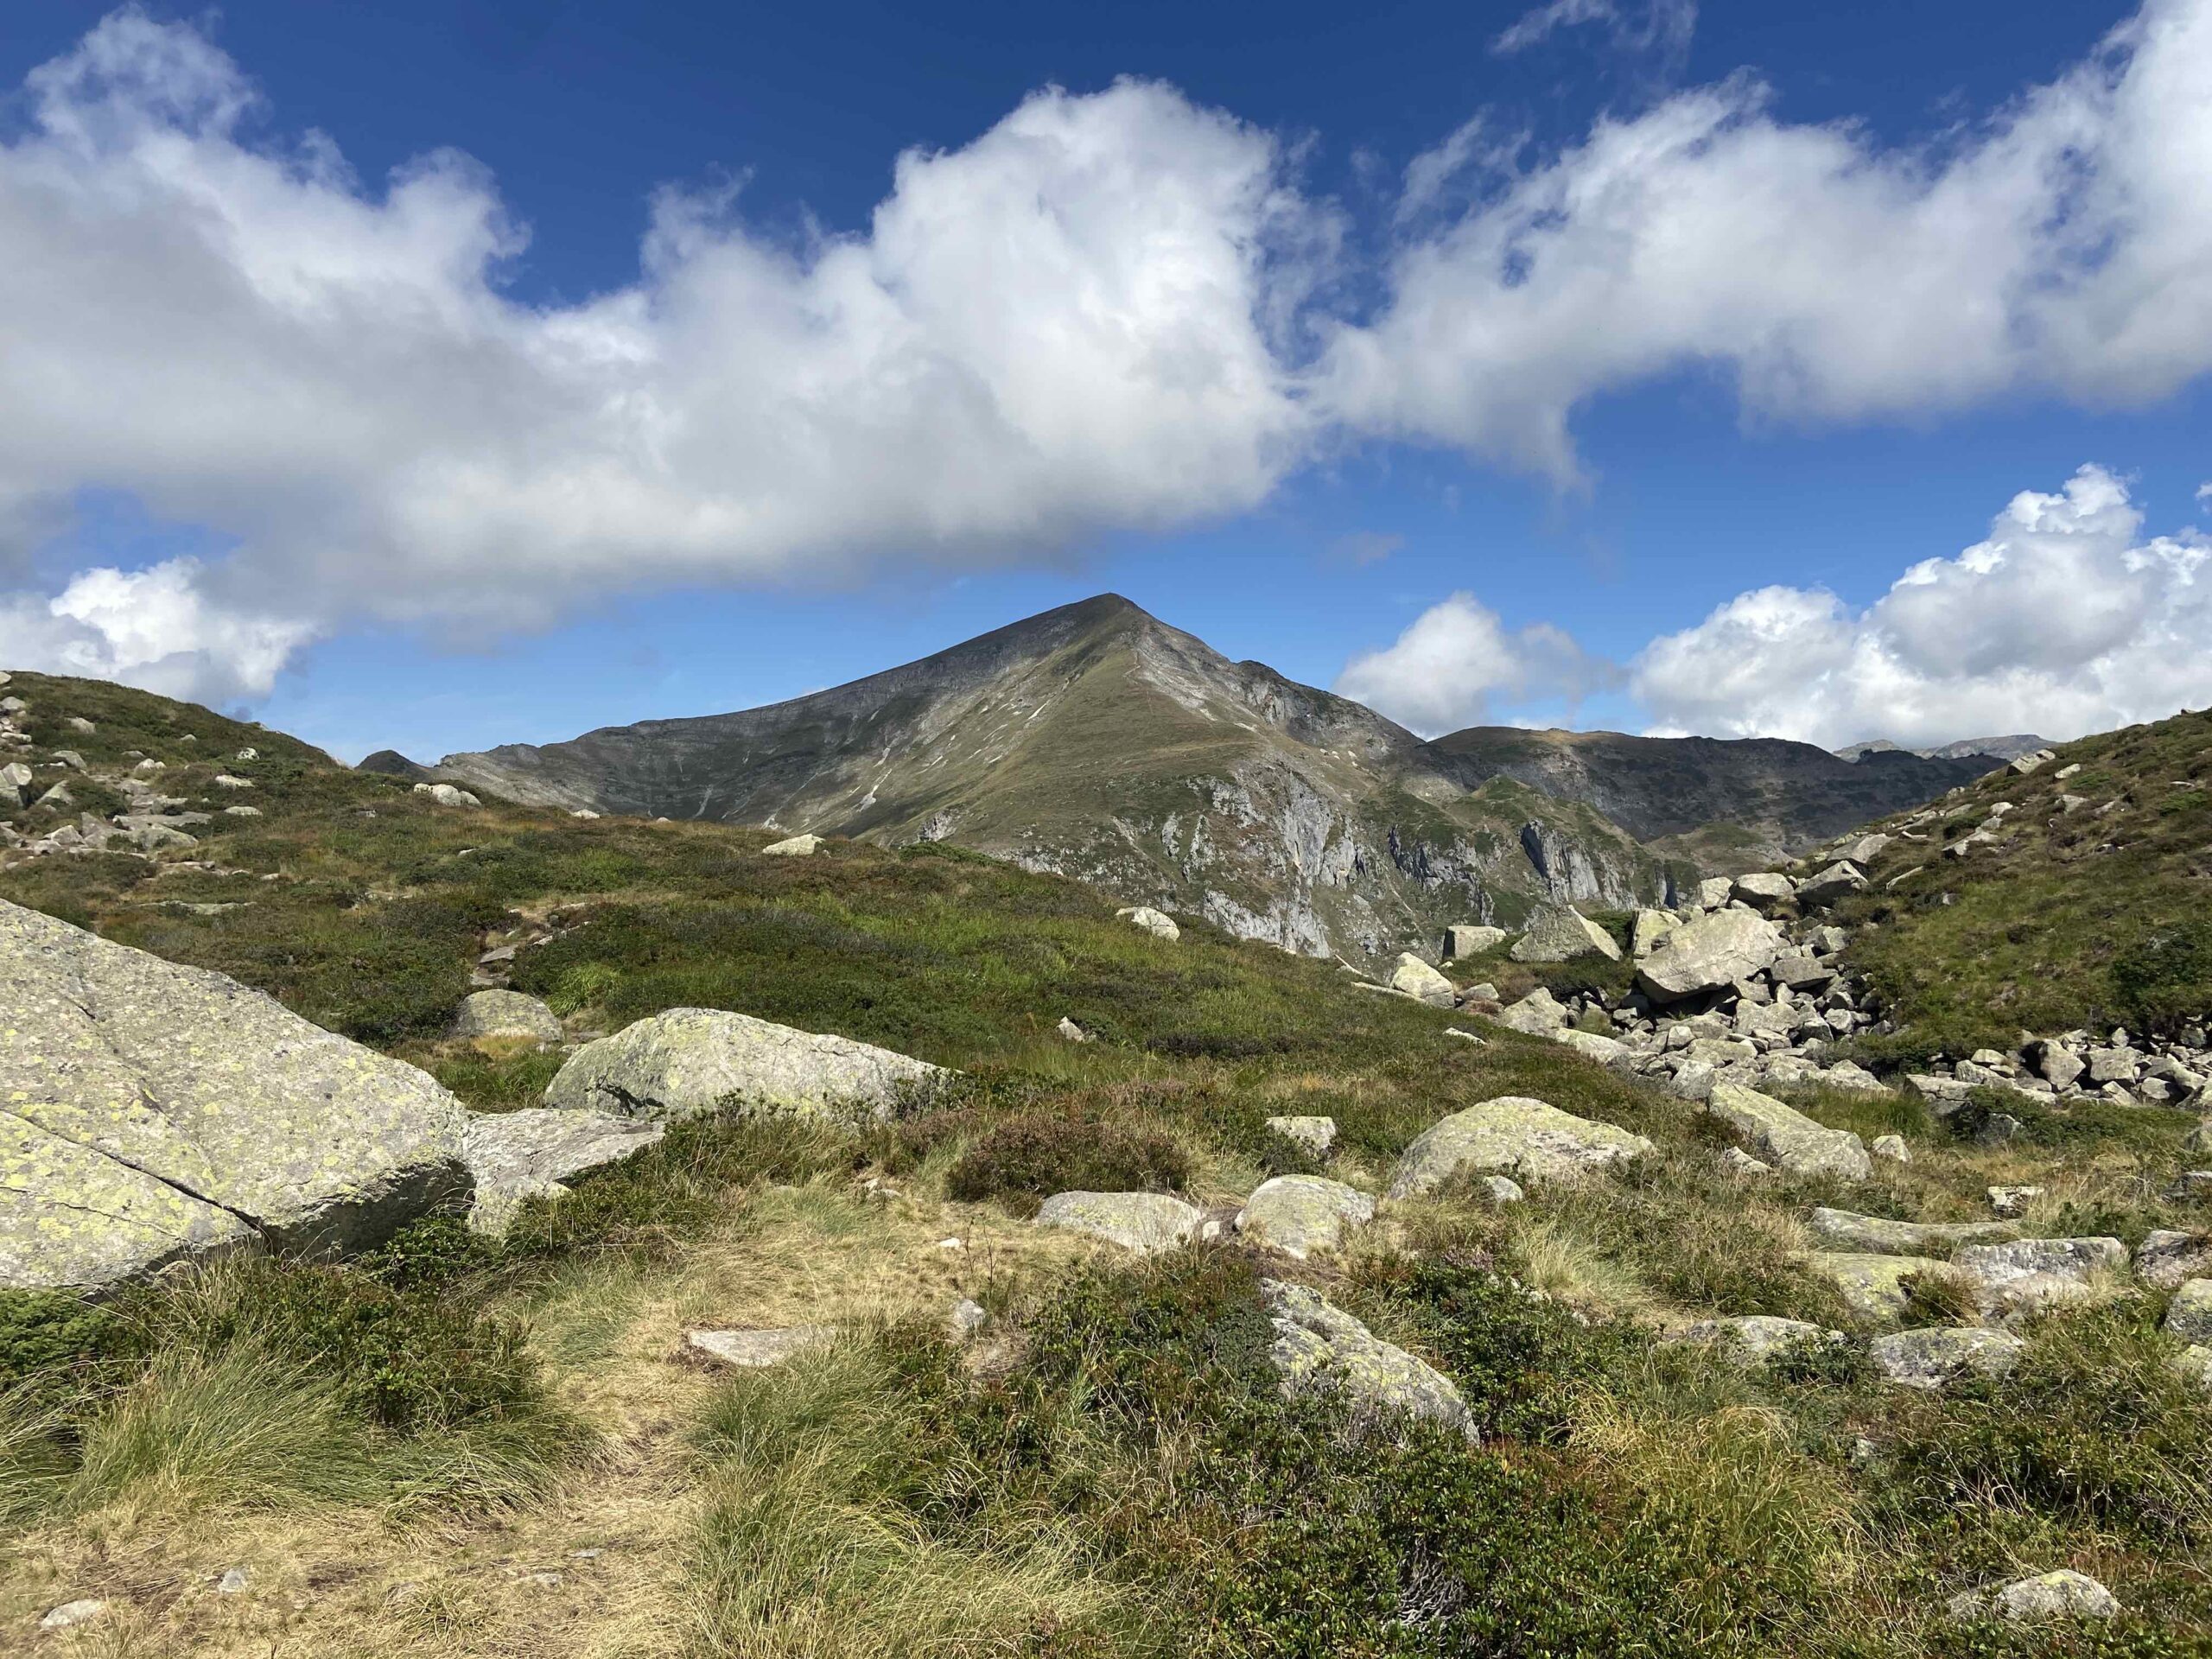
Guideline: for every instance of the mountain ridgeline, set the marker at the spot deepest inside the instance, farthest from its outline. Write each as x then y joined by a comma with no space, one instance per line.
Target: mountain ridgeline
1098,742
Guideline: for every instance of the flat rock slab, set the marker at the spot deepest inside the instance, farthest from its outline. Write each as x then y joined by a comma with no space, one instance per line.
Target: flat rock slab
1302,1214
1841,1230
692,1061
1931,1358
1561,933
2169,1256
1514,1135
1147,1222
528,1154
1872,1287
1787,1138
506,1014
756,1350
1318,1346
2031,1274
150,1111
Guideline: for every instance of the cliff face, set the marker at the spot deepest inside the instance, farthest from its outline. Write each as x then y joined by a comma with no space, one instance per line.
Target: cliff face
1096,741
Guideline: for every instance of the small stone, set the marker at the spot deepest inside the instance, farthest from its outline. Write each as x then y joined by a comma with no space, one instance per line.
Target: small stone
1753,1340
1072,1032
2060,1594
234,1579
2169,1256
952,1246
793,846
72,1613
967,1317
2013,1202
2000,1129
753,1351
224,780
1891,1147
1736,1162
1502,1190
248,754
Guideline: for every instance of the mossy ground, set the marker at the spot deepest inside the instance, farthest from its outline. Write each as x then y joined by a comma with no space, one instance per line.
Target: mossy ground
1108,1470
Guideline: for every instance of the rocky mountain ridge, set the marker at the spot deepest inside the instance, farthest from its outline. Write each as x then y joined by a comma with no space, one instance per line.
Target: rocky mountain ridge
1098,741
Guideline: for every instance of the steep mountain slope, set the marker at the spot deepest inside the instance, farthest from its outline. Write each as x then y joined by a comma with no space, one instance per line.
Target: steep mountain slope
2075,894
1098,741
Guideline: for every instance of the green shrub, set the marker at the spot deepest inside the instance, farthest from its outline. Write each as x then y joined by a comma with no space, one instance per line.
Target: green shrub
1026,1157
2164,981
51,1340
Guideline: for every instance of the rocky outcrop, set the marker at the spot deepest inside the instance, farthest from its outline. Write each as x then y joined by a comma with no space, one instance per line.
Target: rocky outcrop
1319,1347
692,1061
151,1111
1841,1230
1708,953
1514,1136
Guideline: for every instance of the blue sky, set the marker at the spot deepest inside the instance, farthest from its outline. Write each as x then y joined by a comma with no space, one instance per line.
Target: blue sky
1725,317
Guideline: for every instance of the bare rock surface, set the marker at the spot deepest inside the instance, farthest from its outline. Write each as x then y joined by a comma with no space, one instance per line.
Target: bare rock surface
1514,1135
152,1111
1147,1222
1320,1346
527,1154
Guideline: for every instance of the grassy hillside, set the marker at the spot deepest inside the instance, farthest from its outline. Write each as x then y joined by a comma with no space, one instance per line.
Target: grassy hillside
2089,905
451,1448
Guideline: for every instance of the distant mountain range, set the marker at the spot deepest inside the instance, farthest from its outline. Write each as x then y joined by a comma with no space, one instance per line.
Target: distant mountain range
2001,749
1098,741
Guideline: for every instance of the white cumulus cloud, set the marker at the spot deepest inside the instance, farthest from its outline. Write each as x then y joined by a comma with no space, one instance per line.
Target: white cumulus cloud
2064,246
1458,662
2066,619
1062,327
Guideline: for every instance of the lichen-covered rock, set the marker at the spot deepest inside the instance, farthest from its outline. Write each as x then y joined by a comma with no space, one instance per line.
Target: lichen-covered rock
1301,1214
1315,1135
1734,1161
1606,1050
2060,1594
2168,1256
1419,980
1843,1230
506,1014
1756,1339
1763,890
1320,1347
1147,1223
1650,927
1561,933
1470,939
1891,1148
1512,1134
1712,951
1872,1287
1159,924
692,1061
528,1154
2031,1274
2189,1316
1787,1138
150,1111
1834,882
1930,1358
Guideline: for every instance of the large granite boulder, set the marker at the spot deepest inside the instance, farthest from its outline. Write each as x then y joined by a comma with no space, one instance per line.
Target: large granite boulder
1709,954
1561,933
529,1154
1301,1215
506,1014
1319,1347
150,1111
692,1061
1539,1013
1510,1136
1471,939
1787,1138
1419,980
1147,1223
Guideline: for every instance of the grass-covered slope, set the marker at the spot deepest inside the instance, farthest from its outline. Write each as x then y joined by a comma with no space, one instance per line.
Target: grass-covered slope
457,1449
2088,903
